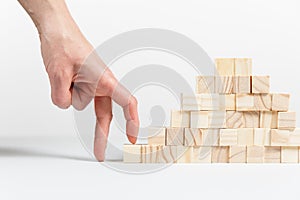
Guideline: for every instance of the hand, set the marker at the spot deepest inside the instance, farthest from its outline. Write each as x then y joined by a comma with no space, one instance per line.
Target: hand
77,74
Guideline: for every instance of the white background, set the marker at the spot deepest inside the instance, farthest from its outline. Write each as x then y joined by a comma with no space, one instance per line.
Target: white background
40,154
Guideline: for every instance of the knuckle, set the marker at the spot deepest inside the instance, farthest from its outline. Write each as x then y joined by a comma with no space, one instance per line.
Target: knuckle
108,83
60,102
133,101
105,117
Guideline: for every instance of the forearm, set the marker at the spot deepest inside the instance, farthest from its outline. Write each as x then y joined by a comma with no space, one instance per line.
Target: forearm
50,16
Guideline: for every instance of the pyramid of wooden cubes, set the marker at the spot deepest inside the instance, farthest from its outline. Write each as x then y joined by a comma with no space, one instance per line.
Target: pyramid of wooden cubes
231,118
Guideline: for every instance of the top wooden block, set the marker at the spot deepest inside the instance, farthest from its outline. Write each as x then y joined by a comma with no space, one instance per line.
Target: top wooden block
243,66
224,67
233,67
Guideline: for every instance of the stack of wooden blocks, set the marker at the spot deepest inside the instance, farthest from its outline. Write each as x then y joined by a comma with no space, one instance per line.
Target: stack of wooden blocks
232,118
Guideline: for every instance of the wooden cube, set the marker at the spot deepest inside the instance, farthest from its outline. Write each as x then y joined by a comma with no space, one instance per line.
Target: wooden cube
245,136
262,102
243,66
220,155
180,118
192,137
228,137
199,119
210,137
227,102
242,85
262,137
286,120
210,101
191,102
201,154
158,154
280,137
201,102
184,154
285,137
280,102
260,84
272,155
205,84
175,136
224,84
294,138
244,102
217,119
132,153
237,154
255,154
234,119
157,135
251,119
225,67
268,119
289,154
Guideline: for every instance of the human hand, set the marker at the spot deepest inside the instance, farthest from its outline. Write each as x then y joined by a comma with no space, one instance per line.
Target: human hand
77,74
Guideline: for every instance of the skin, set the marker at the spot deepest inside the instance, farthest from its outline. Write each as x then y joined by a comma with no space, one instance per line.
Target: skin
76,74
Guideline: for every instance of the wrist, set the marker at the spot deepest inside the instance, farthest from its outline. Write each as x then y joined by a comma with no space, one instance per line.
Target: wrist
51,17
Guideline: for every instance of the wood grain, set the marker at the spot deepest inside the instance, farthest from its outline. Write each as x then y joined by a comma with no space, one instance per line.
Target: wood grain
175,136
237,154
260,84
280,102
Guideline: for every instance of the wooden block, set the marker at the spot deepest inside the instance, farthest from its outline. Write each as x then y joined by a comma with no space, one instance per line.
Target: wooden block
225,67
243,66
294,139
280,102
220,155
260,84
245,136
251,119
205,84
237,154
194,102
132,153
262,102
289,154
234,119
216,119
210,137
280,137
201,155
242,85
180,118
199,119
228,137
175,136
272,155
285,137
227,102
190,102
192,137
157,135
210,101
262,137
286,120
268,119
244,102
255,154
158,154
224,84
184,154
